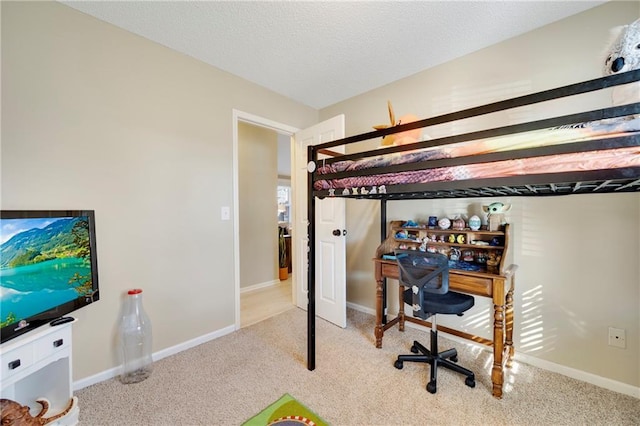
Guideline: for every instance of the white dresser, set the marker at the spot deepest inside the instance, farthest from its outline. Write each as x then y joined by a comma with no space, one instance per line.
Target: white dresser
38,364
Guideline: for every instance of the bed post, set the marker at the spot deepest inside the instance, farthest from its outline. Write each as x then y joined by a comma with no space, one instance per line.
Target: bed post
383,236
311,267
383,220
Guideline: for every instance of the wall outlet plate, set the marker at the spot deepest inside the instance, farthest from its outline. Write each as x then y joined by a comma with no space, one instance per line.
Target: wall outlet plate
617,337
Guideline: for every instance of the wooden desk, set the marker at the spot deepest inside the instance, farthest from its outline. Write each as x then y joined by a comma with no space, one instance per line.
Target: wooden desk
498,287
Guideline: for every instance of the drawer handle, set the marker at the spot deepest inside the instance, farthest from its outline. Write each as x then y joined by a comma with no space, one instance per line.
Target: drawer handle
58,343
14,364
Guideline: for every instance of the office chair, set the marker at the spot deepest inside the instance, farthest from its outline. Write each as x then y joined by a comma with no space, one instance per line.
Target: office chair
426,277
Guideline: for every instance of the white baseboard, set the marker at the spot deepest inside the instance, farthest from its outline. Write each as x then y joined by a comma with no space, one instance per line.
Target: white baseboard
361,308
96,378
584,376
259,286
603,382
113,372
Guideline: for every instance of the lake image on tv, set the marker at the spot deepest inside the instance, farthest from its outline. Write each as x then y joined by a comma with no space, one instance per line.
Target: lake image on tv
43,263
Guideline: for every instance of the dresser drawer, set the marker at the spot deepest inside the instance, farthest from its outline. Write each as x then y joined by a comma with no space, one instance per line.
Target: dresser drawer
16,360
53,342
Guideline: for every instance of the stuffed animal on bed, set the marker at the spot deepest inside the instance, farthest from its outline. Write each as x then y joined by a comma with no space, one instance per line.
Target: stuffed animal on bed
624,55
401,138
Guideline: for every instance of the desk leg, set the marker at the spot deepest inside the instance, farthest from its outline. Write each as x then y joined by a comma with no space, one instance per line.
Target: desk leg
509,319
497,373
400,307
379,331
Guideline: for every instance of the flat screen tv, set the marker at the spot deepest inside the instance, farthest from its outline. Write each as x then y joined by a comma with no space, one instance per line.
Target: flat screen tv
48,267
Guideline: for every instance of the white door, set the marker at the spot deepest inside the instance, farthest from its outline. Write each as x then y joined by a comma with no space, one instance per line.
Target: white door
330,262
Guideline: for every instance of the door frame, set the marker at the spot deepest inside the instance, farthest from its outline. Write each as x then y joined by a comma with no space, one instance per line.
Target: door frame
241,116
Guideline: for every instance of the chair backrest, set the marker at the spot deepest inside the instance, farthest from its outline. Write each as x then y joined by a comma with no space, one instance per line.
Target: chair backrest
427,271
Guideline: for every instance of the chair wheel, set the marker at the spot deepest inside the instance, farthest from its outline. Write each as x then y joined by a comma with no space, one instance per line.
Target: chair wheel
398,365
470,381
414,349
454,358
431,387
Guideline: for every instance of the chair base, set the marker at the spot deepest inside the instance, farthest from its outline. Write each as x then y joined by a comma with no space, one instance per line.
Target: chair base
445,359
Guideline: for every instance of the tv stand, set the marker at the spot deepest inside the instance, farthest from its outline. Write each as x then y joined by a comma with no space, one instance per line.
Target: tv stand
38,365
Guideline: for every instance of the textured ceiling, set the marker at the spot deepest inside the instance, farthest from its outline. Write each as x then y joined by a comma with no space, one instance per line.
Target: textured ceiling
320,53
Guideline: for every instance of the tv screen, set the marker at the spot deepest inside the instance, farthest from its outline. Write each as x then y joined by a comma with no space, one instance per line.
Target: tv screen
48,267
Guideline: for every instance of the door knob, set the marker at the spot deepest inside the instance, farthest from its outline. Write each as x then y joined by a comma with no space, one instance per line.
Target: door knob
337,232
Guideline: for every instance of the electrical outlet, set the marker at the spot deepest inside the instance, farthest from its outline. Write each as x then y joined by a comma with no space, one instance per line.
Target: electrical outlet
617,337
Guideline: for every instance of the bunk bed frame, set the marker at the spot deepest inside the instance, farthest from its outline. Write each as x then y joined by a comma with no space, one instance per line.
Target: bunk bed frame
616,180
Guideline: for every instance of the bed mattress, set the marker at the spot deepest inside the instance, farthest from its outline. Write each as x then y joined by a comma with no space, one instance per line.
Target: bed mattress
580,159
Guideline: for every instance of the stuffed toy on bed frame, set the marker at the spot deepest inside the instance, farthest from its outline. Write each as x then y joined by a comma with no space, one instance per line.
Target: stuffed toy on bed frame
624,55
401,138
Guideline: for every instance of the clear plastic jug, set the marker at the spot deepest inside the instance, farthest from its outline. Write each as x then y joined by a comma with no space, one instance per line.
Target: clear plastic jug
135,340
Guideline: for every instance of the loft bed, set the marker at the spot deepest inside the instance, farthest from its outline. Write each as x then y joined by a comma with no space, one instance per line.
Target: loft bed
590,152
593,151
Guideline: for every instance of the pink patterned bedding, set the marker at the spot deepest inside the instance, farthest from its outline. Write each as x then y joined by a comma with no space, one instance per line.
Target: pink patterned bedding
559,163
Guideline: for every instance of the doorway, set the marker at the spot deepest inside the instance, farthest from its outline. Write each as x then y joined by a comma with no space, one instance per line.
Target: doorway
270,296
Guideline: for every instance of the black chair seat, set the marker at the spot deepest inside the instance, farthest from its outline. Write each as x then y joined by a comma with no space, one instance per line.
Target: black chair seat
449,303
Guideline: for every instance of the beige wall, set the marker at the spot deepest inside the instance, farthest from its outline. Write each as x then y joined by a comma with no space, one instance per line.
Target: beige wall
258,183
578,255
94,117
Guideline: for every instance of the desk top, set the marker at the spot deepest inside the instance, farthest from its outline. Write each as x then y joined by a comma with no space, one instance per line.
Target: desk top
476,283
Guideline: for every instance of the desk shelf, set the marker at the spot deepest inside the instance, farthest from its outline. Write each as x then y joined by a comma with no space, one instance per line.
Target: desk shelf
487,256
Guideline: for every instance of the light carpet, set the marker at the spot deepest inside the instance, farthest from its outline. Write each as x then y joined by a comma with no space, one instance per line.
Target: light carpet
225,381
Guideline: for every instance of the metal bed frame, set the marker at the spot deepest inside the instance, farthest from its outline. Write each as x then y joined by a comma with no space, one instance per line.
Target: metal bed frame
544,184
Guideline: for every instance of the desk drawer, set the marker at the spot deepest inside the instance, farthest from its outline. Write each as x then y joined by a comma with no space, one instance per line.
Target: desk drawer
390,271
473,285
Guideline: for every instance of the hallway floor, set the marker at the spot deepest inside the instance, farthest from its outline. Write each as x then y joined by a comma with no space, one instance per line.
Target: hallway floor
258,305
